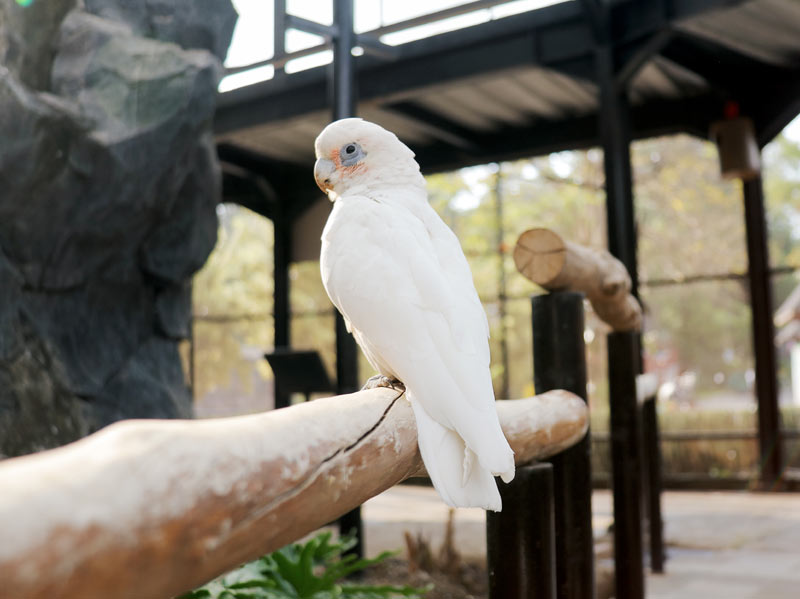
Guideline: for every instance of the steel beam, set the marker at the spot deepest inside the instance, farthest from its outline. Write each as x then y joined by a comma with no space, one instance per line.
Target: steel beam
281,253
623,354
342,84
615,136
769,436
542,137
653,483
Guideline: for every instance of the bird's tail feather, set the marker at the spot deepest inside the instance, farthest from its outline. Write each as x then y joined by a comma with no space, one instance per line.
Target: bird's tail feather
454,469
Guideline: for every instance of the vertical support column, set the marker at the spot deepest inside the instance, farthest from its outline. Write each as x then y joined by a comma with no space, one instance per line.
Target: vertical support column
343,91
342,86
652,453
502,295
281,251
559,362
343,80
615,136
624,352
769,438
626,462
520,541
279,33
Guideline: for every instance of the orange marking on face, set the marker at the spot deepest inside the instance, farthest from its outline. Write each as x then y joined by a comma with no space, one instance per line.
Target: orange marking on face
346,170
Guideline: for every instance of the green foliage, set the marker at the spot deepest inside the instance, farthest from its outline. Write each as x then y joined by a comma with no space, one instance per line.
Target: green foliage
302,571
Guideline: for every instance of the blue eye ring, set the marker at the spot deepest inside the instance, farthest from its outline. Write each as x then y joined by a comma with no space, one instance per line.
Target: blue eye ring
351,154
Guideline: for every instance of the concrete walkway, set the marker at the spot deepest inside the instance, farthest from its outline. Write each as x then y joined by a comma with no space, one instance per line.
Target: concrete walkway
721,545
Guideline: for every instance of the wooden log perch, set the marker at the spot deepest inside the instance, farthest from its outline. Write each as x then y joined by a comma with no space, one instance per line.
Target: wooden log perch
545,258
152,508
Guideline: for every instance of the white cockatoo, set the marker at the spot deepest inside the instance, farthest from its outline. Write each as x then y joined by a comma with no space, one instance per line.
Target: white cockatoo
398,275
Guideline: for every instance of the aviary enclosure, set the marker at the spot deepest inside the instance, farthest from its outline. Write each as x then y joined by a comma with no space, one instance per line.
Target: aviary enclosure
115,150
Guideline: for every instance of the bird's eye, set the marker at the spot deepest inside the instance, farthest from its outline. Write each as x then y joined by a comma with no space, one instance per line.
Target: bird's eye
351,154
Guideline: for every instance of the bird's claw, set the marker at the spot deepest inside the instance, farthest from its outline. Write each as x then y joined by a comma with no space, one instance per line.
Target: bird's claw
379,380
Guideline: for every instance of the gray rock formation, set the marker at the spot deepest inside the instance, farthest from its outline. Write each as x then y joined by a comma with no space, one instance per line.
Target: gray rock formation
108,191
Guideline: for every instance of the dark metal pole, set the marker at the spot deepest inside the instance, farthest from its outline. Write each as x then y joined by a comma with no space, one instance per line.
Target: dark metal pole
769,437
626,463
279,34
281,251
624,350
652,472
343,83
343,88
615,135
559,362
520,541
502,296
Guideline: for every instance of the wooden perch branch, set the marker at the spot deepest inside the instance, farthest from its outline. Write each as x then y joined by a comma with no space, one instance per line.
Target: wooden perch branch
545,258
154,508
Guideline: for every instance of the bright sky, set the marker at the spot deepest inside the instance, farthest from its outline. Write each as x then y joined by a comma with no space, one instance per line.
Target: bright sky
252,38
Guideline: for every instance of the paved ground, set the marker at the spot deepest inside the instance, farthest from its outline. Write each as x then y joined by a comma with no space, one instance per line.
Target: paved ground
720,545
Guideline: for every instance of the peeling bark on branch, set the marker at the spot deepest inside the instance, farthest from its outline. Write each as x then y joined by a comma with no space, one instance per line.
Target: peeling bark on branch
542,256
153,508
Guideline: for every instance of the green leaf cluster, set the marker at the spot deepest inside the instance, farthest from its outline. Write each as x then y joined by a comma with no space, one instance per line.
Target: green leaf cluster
311,570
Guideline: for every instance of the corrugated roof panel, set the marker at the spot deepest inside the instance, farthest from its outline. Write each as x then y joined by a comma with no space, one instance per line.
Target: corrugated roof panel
663,78
768,30
489,103
406,128
572,96
291,141
518,96
455,110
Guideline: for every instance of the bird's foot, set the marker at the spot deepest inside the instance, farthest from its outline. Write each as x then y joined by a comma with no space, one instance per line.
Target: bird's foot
379,380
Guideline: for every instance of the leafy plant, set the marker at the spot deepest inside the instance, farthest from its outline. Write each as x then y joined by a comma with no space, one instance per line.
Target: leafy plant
303,571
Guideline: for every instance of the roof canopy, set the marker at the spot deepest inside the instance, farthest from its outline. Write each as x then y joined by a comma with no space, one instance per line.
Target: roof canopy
526,84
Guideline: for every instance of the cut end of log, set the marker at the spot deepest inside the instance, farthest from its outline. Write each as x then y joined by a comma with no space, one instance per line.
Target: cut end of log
540,255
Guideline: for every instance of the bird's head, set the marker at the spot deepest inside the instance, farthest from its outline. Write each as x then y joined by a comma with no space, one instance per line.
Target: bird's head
354,153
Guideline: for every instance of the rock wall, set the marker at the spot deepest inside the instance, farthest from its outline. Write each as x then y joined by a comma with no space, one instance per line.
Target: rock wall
108,190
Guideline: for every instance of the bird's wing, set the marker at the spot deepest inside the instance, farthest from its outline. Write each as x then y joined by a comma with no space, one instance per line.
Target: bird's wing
406,287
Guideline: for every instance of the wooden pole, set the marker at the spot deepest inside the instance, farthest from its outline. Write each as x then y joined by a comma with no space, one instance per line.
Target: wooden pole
153,508
545,258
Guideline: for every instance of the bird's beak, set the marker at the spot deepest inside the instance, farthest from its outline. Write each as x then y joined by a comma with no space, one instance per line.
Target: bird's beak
323,171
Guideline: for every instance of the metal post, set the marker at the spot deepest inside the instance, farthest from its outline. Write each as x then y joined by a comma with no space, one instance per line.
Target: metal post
769,438
342,86
652,472
559,362
623,349
615,135
279,34
520,541
502,298
281,250
343,83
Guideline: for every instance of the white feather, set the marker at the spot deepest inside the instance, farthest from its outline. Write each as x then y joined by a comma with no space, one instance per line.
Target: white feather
398,275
